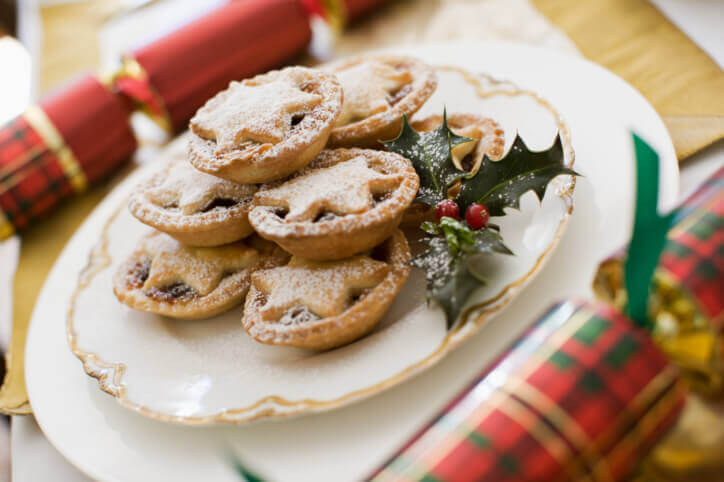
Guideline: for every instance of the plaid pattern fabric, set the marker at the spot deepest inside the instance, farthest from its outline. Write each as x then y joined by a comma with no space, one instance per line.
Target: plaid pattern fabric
35,172
694,254
582,395
687,302
70,140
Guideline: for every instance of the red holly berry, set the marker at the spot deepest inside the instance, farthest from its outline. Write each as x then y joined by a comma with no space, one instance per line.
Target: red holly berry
447,208
477,216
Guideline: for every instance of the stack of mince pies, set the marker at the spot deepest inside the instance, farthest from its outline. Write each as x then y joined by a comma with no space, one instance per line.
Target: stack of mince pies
285,203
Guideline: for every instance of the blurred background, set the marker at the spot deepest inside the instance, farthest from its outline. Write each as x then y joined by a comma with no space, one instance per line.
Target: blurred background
44,43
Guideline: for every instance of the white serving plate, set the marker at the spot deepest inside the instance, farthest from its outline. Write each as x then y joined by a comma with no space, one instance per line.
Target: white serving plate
110,443
211,371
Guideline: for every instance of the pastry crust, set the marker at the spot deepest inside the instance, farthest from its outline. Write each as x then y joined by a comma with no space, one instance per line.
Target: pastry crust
416,214
261,159
195,208
164,277
358,318
345,202
386,122
489,139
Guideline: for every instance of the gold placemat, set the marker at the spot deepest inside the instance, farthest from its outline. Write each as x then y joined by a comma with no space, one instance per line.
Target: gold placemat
629,37
39,248
636,41
70,38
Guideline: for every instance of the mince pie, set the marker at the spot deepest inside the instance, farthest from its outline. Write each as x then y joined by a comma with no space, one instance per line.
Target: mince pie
195,208
267,127
378,90
345,202
165,277
488,138
325,304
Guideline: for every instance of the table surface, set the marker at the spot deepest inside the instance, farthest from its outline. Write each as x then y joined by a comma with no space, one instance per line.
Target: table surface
697,18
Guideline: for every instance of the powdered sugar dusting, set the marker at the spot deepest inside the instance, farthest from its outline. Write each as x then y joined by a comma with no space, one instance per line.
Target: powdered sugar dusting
200,268
421,82
314,94
252,112
367,86
326,288
343,188
387,202
191,191
297,315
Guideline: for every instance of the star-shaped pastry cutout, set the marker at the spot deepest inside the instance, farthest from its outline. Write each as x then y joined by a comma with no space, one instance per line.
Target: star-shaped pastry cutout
367,86
487,139
258,113
459,152
324,287
344,188
192,191
200,268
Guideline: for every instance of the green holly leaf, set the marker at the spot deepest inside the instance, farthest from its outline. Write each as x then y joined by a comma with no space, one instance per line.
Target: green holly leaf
500,184
456,234
452,294
447,261
487,241
429,153
449,282
431,228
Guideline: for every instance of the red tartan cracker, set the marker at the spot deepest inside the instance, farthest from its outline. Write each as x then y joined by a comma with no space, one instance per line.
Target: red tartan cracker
687,300
694,253
238,40
81,134
173,76
582,395
56,149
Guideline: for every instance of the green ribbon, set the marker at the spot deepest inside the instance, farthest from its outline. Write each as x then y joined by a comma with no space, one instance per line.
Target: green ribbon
649,234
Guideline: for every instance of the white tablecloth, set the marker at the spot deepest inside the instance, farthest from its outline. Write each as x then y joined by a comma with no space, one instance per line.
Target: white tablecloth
34,459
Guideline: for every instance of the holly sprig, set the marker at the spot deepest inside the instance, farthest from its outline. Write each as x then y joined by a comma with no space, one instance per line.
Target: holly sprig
430,154
447,262
496,185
